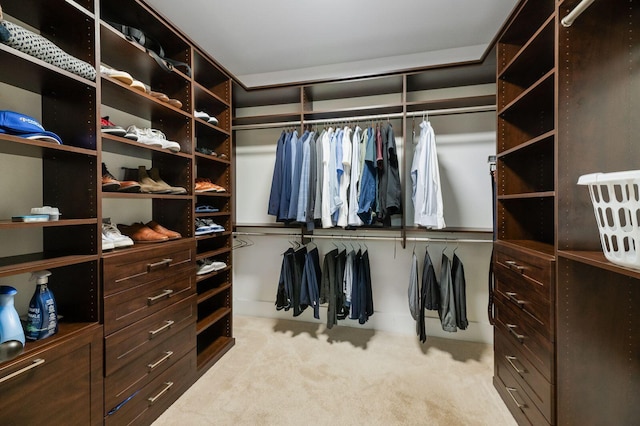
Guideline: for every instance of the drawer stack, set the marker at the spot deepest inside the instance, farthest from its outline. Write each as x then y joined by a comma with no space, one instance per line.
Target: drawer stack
524,332
150,335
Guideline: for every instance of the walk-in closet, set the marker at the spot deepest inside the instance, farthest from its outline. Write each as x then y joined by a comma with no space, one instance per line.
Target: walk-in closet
275,213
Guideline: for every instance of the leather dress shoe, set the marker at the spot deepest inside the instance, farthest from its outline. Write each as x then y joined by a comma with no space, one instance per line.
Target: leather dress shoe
156,227
147,184
141,233
155,175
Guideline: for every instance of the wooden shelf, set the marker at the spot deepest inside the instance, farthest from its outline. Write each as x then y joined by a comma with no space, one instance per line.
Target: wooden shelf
8,224
537,92
214,291
15,145
65,332
213,253
211,319
140,195
211,94
266,119
212,274
213,352
543,194
32,74
213,158
520,65
212,127
598,260
545,138
472,101
20,264
536,247
131,148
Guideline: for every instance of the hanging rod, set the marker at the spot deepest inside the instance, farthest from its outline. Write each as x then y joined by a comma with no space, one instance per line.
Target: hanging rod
444,111
365,237
567,21
356,118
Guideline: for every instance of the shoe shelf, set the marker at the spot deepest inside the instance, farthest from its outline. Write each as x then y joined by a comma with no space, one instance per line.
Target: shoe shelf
141,195
213,214
131,148
215,159
122,97
213,194
206,277
213,235
211,130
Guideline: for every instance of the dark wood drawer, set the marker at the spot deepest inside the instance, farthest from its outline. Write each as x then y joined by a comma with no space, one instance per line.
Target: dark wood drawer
518,402
128,306
522,293
149,402
60,385
536,268
140,371
130,269
509,357
132,341
535,347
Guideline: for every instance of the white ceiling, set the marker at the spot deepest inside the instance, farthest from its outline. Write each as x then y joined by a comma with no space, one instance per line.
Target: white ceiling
273,42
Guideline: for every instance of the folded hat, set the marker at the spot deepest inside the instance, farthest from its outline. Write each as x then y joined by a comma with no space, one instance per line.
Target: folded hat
16,124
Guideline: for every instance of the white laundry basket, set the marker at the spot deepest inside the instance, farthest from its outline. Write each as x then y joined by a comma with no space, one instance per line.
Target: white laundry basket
616,204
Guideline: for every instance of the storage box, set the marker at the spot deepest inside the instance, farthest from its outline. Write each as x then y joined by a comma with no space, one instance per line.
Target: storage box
616,204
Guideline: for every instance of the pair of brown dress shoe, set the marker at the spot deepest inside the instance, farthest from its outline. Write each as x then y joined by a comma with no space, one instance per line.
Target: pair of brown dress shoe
152,232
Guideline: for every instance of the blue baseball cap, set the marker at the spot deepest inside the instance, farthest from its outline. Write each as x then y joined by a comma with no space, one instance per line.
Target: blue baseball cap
16,124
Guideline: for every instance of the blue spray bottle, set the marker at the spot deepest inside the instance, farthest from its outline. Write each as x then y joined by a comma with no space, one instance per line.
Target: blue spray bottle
42,319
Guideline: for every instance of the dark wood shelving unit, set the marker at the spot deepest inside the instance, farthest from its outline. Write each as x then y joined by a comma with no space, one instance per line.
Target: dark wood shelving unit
524,252
64,103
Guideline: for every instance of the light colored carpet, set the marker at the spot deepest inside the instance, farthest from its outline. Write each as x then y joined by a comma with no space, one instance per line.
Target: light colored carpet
283,372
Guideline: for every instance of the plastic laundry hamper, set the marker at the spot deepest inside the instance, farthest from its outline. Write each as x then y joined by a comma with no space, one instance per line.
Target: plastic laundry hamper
616,203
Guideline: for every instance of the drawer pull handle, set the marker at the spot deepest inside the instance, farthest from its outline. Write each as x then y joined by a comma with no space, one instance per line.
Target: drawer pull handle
518,336
165,293
510,360
166,326
166,356
36,363
512,297
513,265
153,399
163,262
511,391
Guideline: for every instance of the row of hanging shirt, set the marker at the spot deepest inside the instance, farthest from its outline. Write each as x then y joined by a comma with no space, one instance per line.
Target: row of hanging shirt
341,177
343,283
448,296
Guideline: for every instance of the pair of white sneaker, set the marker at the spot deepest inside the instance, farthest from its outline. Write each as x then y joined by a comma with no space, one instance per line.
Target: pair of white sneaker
153,137
206,117
206,266
112,238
